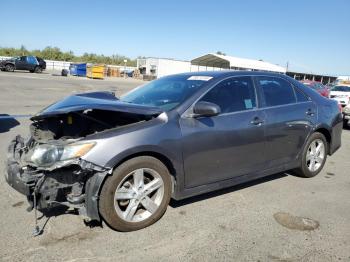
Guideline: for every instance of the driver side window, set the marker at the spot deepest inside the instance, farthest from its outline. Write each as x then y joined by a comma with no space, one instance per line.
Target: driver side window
232,95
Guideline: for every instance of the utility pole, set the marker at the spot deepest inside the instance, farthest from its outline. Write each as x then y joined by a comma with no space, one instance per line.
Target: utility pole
125,61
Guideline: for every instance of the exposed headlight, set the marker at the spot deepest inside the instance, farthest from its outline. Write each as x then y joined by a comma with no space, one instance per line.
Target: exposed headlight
346,109
47,155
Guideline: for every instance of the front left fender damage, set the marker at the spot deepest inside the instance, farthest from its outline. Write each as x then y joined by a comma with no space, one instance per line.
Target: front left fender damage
75,185
69,181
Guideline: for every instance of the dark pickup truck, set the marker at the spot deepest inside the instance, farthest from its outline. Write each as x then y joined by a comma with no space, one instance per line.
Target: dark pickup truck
30,63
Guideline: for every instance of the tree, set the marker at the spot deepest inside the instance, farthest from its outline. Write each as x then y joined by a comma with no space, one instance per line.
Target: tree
55,53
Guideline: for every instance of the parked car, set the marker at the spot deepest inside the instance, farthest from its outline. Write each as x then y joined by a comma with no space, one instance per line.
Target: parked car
346,116
341,93
30,63
319,87
121,160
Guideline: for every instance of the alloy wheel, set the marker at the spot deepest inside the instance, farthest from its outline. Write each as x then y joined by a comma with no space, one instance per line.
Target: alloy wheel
139,195
315,155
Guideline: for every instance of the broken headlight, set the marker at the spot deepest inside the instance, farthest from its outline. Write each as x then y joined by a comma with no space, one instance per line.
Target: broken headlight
47,155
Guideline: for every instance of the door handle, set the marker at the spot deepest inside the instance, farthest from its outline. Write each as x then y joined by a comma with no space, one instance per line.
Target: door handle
257,121
309,112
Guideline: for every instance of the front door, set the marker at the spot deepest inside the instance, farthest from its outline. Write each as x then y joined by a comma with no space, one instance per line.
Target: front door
21,63
230,144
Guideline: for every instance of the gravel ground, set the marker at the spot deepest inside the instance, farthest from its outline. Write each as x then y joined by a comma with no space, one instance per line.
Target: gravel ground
279,218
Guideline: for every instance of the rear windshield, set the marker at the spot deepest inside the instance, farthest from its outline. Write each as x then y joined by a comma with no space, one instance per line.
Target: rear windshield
341,88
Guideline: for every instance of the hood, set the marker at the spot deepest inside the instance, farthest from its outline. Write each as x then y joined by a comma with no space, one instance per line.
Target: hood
95,100
6,61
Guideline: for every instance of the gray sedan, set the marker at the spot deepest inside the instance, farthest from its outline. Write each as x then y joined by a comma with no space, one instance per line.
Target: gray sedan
121,160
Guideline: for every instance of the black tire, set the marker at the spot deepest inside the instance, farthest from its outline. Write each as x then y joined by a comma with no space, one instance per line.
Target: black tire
31,71
346,123
38,69
303,170
9,68
106,202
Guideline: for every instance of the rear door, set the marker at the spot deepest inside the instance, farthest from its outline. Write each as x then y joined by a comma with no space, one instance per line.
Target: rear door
31,63
290,116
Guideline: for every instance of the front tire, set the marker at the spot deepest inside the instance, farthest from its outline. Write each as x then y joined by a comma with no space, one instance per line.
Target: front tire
136,195
9,68
314,156
346,123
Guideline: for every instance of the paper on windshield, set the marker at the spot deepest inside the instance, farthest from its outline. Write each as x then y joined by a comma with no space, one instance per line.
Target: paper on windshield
200,78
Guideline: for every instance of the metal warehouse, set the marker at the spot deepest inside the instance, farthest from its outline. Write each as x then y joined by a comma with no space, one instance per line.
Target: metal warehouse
235,63
158,67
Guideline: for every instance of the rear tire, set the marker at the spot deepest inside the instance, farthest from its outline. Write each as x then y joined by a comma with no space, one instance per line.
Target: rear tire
314,156
38,69
9,68
130,189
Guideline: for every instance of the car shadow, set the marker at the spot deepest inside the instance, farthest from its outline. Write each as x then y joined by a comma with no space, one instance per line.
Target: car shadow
7,122
178,203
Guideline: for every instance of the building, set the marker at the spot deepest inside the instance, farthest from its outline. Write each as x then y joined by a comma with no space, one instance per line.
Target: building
323,78
236,63
159,67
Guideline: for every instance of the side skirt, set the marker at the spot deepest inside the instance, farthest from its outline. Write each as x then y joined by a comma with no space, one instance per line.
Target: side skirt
198,190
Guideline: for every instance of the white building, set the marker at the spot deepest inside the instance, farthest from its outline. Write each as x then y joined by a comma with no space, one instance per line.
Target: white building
236,63
158,67
343,78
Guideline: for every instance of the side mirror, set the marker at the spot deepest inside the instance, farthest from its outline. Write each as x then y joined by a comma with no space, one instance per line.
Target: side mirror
203,108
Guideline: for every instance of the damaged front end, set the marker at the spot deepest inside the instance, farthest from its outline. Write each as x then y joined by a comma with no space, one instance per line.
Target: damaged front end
49,167
64,182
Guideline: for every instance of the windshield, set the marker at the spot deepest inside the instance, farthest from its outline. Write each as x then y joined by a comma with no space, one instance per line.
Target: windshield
165,93
341,88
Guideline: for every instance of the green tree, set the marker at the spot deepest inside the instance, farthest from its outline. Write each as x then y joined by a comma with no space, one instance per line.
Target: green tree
55,53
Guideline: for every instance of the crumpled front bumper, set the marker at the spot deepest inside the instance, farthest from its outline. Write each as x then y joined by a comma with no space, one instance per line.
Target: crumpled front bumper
17,177
27,181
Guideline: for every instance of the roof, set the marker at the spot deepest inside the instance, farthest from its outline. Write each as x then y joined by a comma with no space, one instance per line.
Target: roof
229,62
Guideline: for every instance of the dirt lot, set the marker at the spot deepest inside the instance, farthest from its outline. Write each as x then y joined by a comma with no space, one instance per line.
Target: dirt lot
259,221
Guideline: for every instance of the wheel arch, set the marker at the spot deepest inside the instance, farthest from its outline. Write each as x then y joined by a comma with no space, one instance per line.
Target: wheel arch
95,186
11,64
327,134
161,157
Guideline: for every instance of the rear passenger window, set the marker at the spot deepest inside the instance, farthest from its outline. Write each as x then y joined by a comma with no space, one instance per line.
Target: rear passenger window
276,91
301,97
232,95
